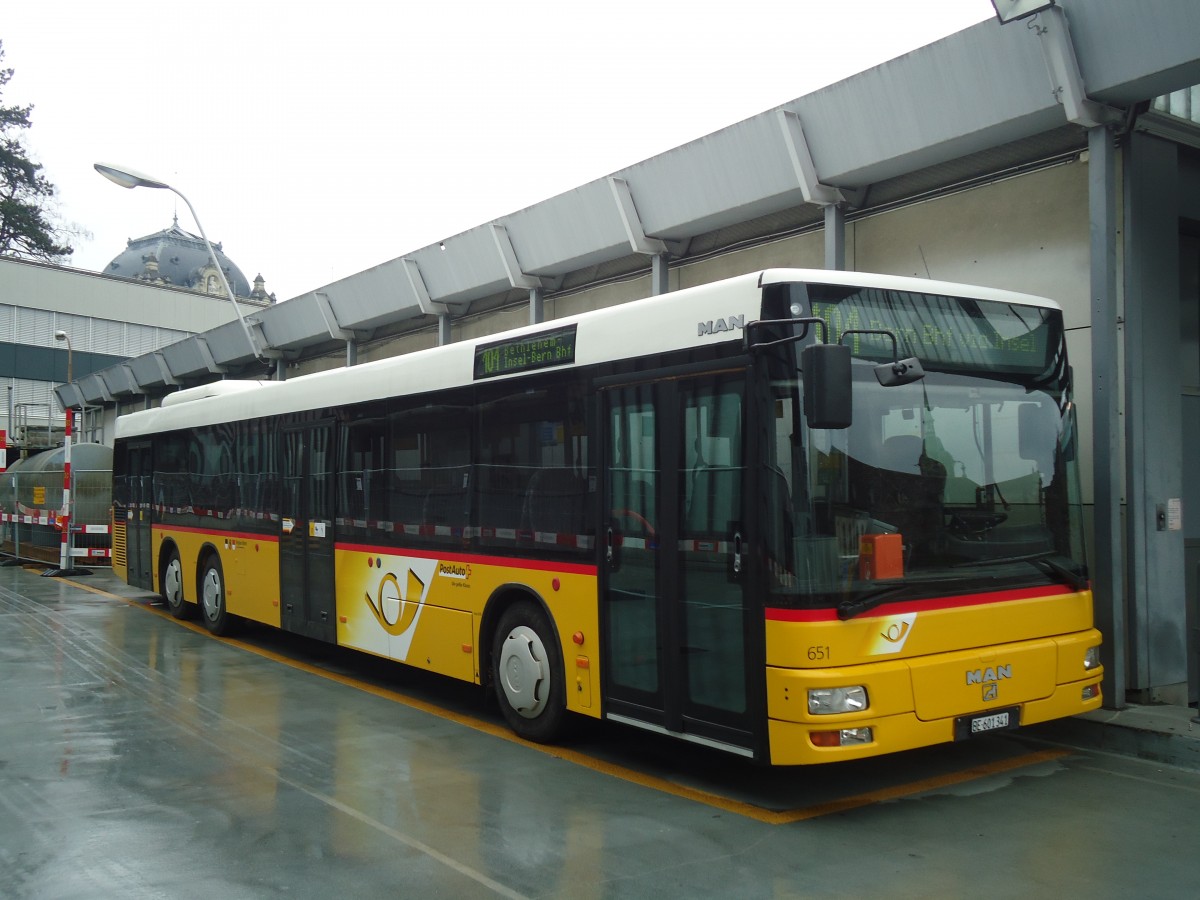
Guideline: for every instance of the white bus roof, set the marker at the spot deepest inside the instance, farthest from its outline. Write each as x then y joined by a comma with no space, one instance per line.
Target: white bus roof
655,325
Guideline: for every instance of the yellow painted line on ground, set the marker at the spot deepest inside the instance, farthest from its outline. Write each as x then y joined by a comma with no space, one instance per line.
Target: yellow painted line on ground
736,807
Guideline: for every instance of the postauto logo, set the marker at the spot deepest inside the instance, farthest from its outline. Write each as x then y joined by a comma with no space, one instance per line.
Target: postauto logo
398,598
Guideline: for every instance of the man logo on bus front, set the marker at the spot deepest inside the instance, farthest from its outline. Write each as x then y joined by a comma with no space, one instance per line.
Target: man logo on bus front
989,679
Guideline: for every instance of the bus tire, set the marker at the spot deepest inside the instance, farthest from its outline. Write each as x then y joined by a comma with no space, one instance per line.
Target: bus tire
212,597
527,672
172,588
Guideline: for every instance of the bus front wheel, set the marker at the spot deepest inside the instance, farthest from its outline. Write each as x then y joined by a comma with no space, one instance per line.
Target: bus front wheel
172,588
527,672
212,597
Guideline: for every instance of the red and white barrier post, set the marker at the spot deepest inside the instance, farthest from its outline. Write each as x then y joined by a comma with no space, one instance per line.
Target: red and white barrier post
64,561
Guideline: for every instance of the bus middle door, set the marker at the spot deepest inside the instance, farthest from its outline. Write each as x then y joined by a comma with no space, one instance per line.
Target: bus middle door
306,566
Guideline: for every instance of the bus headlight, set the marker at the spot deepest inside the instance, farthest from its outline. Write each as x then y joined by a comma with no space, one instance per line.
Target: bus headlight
827,701
1091,659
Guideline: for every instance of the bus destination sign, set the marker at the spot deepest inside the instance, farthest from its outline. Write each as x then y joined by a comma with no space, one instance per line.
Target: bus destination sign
527,353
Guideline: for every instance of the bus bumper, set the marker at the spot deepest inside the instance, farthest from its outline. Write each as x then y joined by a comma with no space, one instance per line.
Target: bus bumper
792,743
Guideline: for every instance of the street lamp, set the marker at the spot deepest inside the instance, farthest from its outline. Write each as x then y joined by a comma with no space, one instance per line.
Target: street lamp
130,178
63,336
1011,10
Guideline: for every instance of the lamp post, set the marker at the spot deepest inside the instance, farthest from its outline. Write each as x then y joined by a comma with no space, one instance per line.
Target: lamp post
130,178
63,336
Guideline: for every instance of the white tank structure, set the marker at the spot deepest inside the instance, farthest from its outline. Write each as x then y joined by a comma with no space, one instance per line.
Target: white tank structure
31,496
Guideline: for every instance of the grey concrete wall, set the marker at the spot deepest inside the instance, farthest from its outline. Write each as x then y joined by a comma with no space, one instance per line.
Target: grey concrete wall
1154,440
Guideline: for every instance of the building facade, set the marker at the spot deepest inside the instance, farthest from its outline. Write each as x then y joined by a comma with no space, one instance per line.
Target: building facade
1061,160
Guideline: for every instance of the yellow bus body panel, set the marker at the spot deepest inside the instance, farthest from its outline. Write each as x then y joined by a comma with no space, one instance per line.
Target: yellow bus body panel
249,563
422,608
1026,654
426,609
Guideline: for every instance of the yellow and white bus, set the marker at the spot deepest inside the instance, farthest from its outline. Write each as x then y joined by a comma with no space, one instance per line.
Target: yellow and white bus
731,514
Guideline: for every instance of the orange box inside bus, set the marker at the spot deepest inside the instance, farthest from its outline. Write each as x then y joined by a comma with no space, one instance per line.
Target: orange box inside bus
880,556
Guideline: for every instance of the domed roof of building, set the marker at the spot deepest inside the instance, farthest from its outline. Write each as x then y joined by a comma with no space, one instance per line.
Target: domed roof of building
178,257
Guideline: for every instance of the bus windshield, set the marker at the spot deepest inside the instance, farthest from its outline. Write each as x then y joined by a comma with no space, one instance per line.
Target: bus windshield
962,482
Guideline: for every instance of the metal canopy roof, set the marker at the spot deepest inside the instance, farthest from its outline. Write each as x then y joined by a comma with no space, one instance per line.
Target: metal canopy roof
151,373
120,381
974,103
230,348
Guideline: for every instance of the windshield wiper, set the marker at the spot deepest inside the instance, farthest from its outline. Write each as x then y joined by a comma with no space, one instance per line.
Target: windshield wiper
1054,568
853,606
1043,561
856,606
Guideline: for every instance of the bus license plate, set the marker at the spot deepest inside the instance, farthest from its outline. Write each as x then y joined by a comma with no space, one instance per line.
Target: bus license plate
981,723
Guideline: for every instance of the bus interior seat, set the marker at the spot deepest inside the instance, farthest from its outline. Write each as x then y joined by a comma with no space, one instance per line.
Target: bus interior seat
908,490
501,488
408,499
444,505
555,502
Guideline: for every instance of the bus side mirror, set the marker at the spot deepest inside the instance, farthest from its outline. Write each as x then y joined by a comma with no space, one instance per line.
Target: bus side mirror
827,390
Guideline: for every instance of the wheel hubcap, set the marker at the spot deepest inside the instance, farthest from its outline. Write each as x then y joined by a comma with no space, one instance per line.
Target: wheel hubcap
524,674
173,582
212,594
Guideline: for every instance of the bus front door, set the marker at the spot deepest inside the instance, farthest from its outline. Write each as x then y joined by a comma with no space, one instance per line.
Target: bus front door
306,572
674,559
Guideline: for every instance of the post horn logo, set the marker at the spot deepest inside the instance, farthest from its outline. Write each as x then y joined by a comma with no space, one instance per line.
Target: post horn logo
395,613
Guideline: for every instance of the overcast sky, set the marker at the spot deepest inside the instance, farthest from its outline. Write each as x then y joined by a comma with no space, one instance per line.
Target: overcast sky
316,140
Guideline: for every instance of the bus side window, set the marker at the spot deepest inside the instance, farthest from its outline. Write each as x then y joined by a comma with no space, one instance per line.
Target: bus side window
532,489
445,475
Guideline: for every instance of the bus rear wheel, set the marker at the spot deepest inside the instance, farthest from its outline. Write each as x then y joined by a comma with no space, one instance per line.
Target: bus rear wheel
527,672
172,588
212,597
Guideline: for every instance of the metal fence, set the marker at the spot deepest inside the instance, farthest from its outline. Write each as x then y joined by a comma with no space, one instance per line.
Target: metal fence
31,513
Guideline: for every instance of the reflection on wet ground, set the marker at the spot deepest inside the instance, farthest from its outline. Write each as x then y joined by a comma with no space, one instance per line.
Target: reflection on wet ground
143,758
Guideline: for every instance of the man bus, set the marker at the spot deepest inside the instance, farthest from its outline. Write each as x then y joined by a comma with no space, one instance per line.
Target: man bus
800,516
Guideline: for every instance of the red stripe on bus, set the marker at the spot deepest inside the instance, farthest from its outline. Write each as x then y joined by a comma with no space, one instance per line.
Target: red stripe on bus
540,565
220,535
905,606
